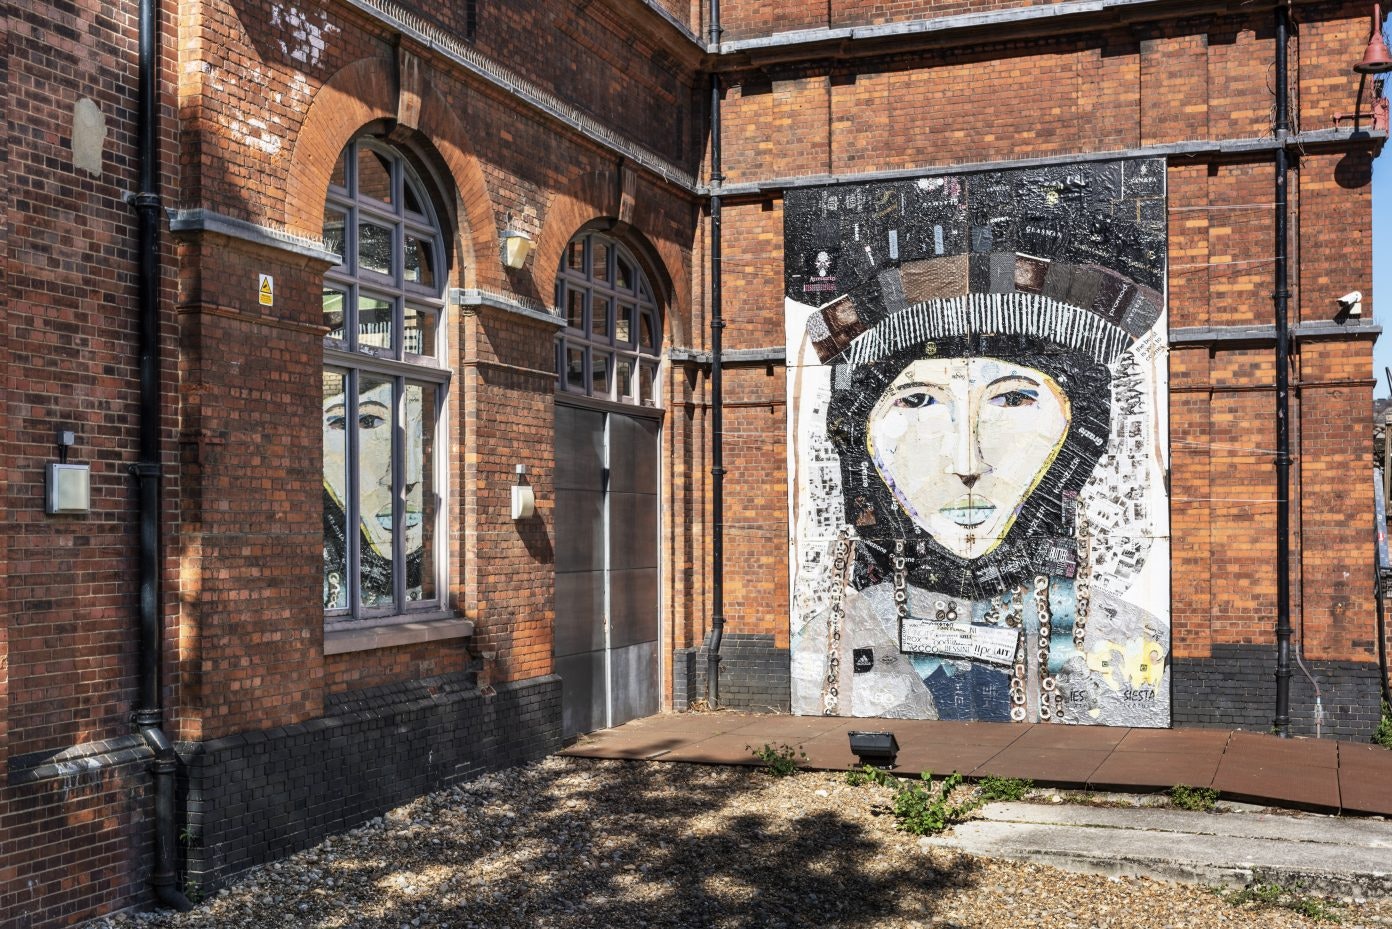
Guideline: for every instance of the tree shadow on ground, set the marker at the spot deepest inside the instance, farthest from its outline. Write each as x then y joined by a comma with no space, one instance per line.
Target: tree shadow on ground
631,844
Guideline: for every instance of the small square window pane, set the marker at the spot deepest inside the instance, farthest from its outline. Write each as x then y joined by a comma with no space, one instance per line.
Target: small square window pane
600,262
647,331
418,334
374,176
599,373
335,306
599,316
335,491
414,200
420,492
375,323
575,308
575,368
420,262
575,255
623,273
375,497
374,248
335,227
647,384
623,323
623,378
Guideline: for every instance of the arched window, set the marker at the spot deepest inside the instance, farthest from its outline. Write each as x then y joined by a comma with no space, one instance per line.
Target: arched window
385,377
613,336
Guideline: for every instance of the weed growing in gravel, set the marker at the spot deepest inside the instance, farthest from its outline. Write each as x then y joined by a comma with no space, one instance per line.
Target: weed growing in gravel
1383,734
1198,799
924,811
1267,895
993,789
780,760
869,774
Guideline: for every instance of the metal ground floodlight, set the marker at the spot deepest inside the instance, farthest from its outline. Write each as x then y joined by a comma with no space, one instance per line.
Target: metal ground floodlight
877,749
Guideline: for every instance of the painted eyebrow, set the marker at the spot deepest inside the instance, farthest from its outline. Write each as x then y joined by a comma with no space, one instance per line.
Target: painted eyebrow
913,384
1014,377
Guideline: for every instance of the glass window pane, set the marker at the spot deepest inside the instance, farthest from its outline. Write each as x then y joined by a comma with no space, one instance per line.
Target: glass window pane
374,323
599,373
413,198
374,175
575,308
599,317
335,304
375,497
374,248
420,492
623,273
647,332
335,224
575,368
418,333
339,178
335,492
623,324
420,261
623,378
647,384
600,264
575,255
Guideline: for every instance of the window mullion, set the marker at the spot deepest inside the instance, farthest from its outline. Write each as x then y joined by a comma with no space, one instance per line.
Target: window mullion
353,530
398,467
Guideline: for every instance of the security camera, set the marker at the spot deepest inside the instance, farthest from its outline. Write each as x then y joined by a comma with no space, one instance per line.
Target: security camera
1352,303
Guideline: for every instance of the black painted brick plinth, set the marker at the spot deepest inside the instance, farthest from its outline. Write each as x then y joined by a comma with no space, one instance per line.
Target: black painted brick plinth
258,796
1235,688
754,674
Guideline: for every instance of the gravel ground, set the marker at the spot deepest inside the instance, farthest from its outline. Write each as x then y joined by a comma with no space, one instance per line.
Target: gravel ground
578,843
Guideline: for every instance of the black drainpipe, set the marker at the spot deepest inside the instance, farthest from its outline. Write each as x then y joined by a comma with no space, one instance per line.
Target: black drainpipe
717,392
148,713
1282,297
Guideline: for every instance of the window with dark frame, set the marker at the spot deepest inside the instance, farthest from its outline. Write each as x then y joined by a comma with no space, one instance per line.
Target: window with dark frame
611,345
385,383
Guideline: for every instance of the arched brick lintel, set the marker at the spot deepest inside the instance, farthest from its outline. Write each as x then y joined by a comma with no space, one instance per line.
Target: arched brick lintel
477,234
356,95
593,200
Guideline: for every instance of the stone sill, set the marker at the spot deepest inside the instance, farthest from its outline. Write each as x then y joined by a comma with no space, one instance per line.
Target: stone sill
342,638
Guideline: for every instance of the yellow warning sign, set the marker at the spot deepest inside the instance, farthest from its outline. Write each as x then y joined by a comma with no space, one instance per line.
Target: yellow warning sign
266,285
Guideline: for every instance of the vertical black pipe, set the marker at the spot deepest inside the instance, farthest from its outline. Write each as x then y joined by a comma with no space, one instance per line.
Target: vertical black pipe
717,391
1282,298
148,714
717,397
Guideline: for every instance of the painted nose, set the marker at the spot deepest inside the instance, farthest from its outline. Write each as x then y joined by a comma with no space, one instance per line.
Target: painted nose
966,457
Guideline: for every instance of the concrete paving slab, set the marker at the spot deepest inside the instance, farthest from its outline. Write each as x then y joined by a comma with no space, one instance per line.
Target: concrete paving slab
1275,750
787,728
1067,738
944,759
1189,741
719,749
1318,854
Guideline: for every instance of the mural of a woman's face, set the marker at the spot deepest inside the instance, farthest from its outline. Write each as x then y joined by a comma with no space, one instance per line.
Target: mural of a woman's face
962,442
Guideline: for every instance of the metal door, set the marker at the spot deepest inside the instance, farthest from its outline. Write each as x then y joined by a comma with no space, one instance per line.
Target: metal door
606,546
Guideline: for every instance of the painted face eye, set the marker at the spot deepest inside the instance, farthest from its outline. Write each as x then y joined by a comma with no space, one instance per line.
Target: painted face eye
915,400
335,420
370,420
1014,398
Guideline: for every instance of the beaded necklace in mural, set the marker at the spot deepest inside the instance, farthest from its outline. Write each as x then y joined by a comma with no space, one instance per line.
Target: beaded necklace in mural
1007,607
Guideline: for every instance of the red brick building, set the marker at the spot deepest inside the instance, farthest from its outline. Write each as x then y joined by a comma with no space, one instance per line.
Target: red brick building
355,359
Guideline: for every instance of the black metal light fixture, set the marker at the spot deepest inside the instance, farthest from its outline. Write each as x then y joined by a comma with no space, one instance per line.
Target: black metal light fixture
877,749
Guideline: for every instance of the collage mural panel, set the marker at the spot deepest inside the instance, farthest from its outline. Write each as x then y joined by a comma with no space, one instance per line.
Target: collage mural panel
977,383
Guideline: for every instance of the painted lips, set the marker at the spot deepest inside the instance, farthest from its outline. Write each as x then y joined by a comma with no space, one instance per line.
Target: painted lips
968,512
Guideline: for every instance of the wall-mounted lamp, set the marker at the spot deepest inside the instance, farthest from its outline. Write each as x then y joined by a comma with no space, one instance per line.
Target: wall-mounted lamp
517,245
877,749
1376,59
523,499
1351,304
68,486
